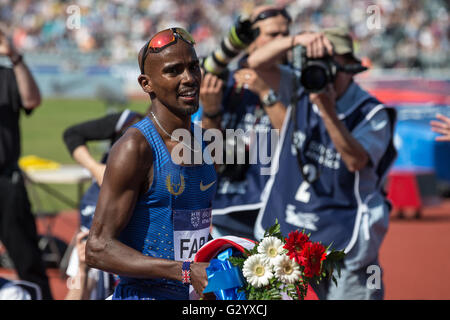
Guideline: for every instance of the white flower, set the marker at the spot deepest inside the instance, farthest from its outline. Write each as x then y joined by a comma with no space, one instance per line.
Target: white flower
270,248
256,271
287,270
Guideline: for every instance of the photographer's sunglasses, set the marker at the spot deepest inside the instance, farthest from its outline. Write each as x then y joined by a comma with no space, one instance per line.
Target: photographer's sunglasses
163,39
272,13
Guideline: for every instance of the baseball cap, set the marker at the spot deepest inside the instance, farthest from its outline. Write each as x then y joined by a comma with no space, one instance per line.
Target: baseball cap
341,40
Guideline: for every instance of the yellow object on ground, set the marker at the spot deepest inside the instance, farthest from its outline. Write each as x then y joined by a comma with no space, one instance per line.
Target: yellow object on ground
32,162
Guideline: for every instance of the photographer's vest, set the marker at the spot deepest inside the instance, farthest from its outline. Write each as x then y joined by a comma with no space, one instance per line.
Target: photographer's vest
331,207
240,186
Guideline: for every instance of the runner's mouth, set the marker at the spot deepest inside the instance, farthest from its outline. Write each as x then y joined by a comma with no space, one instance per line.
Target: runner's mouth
188,94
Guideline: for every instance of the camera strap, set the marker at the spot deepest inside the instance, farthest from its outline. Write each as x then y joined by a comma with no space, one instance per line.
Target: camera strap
294,100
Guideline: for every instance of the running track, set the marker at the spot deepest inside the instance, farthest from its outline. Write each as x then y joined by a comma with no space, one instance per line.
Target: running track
415,255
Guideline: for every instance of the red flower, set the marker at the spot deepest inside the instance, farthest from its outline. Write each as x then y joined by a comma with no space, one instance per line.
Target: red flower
294,244
312,256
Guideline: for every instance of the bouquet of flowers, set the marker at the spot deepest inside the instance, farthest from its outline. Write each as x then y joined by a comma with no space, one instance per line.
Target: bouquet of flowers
277,267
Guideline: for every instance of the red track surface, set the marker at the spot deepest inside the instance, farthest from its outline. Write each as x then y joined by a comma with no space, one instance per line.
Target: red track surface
415,255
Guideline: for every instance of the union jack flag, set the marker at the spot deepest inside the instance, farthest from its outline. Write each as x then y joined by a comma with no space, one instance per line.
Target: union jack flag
186,274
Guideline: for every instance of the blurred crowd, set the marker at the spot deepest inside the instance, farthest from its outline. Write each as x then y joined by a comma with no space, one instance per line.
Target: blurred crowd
391,33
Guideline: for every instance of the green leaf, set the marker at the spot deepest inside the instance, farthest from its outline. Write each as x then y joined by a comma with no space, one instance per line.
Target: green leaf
338,269
237,261
274,231
336,255
334,280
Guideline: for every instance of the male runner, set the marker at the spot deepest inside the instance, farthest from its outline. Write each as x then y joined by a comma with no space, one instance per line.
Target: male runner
153,215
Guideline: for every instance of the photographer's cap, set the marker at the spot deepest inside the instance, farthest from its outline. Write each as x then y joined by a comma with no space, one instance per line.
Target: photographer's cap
341,40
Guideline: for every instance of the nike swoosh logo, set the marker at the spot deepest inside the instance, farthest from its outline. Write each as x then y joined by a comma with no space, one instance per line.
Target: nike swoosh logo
204,188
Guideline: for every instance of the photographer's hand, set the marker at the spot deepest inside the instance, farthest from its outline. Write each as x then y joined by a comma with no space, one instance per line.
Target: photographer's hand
250,79
352,152
316,44
211,98
264,59
325,100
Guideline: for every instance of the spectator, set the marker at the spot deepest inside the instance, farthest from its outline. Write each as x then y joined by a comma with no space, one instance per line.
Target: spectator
442,126
398,33
336,151
242,104
18,92
110,127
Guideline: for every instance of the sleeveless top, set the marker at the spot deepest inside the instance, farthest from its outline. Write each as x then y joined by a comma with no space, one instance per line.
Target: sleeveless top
172,219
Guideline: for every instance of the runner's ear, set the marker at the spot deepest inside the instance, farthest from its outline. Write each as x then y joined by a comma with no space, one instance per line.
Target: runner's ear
146,84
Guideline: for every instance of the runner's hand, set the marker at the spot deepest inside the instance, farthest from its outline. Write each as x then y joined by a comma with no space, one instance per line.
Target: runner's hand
199,279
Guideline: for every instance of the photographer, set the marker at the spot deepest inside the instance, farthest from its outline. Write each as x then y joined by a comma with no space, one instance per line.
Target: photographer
335,153
242,101
18,92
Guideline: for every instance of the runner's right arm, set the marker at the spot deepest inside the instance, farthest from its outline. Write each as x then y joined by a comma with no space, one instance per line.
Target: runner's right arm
126,175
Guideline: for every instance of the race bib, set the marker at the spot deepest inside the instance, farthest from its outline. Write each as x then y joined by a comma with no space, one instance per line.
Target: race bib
190,232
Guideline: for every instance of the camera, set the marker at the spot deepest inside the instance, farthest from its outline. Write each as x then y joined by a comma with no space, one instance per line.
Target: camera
238,38
317,73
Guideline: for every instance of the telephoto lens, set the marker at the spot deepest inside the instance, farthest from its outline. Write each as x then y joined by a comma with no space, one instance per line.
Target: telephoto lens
240,35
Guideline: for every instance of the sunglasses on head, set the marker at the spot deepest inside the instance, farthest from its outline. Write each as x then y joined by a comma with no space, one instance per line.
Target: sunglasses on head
163,39
272,13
